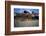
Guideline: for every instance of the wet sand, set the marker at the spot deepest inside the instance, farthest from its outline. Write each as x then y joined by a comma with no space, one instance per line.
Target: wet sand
24,22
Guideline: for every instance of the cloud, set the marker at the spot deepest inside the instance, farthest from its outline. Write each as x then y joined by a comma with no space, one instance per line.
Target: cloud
21,10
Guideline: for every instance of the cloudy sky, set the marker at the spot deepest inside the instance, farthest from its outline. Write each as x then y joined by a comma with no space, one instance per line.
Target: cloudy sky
21,10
